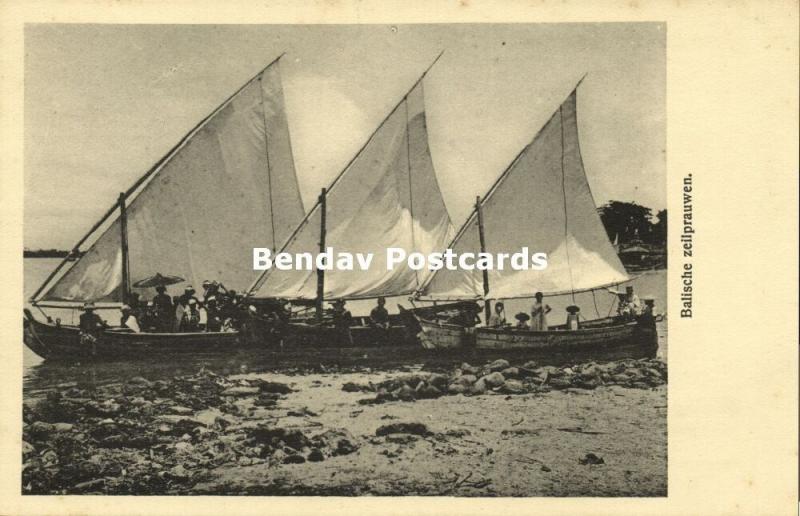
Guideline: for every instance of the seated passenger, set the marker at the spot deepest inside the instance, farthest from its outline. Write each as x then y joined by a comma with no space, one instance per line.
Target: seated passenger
128,319
379,316
522,321
498,318
213,319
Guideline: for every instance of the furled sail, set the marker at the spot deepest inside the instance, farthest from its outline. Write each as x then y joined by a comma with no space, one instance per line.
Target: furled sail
542,202
228,186
386,197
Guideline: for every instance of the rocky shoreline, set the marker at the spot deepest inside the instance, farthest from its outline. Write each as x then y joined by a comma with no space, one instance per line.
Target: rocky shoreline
357,431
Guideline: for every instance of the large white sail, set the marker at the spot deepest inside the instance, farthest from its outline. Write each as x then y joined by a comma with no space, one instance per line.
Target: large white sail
386,197
229,186
542,202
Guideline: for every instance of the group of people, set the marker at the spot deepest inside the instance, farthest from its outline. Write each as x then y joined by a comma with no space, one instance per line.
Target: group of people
535,321
629,306
217,310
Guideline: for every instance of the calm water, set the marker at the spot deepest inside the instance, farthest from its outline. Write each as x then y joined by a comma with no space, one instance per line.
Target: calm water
41,376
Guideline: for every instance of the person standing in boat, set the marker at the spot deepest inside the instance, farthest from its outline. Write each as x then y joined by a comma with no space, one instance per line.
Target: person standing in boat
191,317
189,294
631,307
342,320
498,318
379,316
129,320
539,313
214,320
163,308
181,306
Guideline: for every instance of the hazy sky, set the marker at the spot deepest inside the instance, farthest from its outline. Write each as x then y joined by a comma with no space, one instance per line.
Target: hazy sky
105,102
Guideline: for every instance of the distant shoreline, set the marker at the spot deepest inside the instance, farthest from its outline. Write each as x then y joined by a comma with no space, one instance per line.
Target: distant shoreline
46,253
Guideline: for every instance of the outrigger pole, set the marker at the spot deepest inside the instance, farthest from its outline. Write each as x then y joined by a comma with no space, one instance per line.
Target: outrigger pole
155,168
321,272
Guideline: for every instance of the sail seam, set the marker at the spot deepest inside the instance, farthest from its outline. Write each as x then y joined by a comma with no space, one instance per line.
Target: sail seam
410,190
566,211
266,153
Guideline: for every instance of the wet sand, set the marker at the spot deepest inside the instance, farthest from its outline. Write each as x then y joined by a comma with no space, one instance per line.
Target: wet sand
299,433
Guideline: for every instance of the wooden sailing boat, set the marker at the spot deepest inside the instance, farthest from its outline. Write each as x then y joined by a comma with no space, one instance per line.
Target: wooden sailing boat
386,196
229,181
541,201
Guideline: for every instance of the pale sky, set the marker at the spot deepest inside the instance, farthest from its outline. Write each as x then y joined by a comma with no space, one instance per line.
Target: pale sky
104,102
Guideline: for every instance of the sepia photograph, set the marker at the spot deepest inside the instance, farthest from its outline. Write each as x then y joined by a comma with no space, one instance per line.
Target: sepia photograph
345,260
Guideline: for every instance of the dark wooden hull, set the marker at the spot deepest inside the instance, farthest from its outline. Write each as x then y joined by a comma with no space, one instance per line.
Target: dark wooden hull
303,335
600,334
59,342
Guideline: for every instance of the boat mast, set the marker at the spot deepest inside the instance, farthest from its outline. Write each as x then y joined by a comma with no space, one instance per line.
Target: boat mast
260,281
321,272
123,227
155,168
487,307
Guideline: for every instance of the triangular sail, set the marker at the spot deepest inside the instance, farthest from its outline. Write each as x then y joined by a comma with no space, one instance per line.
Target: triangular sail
229,186
542,202
386,197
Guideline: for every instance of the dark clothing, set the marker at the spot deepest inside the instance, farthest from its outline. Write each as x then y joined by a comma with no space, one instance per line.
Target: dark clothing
342,319
164,311
191,321
90,322
379,316
214,319
163,304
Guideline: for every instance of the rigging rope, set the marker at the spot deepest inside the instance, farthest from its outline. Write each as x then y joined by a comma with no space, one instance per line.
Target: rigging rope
594,300
564,192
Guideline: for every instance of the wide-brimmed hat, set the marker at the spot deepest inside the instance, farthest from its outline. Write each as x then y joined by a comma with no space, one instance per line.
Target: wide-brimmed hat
188,289
573,309
500,304
206,283
338,302
522,316
193,301
89,305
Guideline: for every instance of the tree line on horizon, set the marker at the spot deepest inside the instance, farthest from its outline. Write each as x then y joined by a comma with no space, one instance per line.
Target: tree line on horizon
628,222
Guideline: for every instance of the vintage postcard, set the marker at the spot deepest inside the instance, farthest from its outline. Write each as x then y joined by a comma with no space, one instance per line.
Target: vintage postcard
499,256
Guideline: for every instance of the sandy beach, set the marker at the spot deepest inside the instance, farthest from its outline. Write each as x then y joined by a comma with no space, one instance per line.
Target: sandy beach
589,429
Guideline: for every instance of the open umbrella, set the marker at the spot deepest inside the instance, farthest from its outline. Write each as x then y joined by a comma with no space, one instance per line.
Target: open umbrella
158,280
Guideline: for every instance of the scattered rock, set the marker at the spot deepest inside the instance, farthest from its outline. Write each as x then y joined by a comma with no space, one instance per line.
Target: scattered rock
315,455
512,387
498,365
240,391
274,387
591,458
294,459
493,380
403,428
